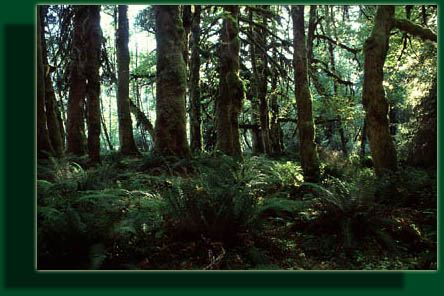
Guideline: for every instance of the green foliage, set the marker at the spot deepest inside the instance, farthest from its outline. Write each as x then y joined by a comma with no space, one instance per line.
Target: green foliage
80,229
350,212
224,199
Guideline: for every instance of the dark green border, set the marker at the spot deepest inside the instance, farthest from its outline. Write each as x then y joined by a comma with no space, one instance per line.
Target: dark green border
17,274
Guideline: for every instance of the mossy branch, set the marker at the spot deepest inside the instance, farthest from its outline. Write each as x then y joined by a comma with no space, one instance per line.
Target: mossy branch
416,30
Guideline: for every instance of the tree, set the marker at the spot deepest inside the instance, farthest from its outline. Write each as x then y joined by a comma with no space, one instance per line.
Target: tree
85,83
126,137
373,94
55,131
195,112
231,91
44,148
307,146
94,42
75,127
170,127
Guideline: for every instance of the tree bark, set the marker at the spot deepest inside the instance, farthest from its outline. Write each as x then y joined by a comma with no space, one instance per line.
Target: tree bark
75,127
94,41
44,148
258,143
126,137
307,146
195,112
262,87
54,129
231,92
373,95
170,130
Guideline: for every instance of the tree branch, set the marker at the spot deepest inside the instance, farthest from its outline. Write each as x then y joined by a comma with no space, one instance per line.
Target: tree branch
330,74
251,41
352,50
414,29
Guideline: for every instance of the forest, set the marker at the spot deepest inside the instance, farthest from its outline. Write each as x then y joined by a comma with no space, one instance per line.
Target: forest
236,137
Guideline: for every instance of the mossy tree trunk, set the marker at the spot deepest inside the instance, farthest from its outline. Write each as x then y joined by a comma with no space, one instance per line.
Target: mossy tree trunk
44,148
170,127
94,41
126,137
307,146
373,95
195,112
262,72
85,83
75,127
231,91
258,143
54,130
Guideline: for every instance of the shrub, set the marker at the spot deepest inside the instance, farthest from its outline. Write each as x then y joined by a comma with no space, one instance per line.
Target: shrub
222,201
349,211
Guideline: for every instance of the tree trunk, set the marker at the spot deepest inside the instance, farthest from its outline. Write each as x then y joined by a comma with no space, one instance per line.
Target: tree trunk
307,146
105,130
195,112
75,127
258,143
44,148
170,130
373,95
54,130
275,129
363,138
330,20
126,137
231,91
262,87
94,42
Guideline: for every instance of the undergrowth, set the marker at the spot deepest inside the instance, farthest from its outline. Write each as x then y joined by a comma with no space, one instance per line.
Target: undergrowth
212,212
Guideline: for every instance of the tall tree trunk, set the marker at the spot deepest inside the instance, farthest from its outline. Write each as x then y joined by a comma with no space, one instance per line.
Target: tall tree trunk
195,112
307,146
330,20
126,137
75,127
44,148
231,91
258,143
373,95
54,130
170,130
187,21
262,87
94,41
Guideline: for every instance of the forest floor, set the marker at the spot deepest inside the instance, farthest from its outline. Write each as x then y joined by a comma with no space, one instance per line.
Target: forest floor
213,213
